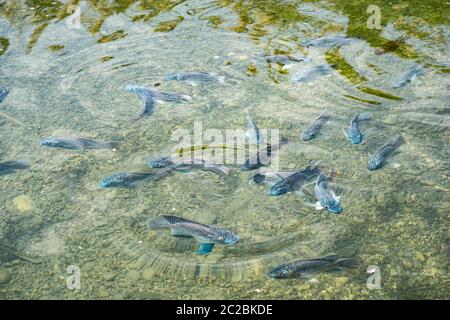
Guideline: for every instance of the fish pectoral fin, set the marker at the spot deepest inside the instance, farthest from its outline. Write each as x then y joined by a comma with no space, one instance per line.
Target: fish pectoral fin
205,248
318,206
287,66
345,133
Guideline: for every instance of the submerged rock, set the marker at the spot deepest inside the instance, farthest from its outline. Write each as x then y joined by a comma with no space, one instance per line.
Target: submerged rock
5,276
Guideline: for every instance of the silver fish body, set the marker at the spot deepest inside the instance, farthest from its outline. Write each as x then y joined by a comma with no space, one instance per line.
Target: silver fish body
253,133
8,167
378,158
185,164
147,99
314,127
311,73
353,133
413,72
327,42
3,94
201,232
326,199
77,143
196,77
308,267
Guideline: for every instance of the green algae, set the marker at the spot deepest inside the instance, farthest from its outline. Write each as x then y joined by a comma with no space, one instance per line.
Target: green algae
4,44
335,59
116,35
168,25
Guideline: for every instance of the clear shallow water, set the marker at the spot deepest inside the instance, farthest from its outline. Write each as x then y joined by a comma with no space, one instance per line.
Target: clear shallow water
67,82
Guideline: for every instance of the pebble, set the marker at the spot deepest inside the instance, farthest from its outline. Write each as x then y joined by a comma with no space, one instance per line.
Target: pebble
23,203
5,276
109,276
133,275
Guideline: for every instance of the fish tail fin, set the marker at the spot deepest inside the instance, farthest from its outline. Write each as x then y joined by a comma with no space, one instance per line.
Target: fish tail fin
22,164
112,145
398,140
364,116
221,79
161,222
186,98
347,263
283,141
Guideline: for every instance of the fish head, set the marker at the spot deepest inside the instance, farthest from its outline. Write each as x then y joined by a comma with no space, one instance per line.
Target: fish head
173,76
49,142
375,162
159,163
281,272
332,205
222,236
277,190
112,181
307,135
355,138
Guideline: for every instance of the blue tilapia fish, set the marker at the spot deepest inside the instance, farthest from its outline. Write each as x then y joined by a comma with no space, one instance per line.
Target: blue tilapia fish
206,235
262,157
11,166
147,99
131,179
326,198
77,143
314,128
186,164
378,159
253,133
195,77
286,60
295,180
326,42
3,94
308,267
412,73
353,134
311,73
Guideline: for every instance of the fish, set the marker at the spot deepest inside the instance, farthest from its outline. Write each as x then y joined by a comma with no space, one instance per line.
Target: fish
307,267
285,60
3,94
313,129
378,159
295,180
253,133
195,77
412,73
130,179
77,143
391,45
262,157
186,164
161,95
206,235
8,167
311,73
327,42
353,134
326,198
147,99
